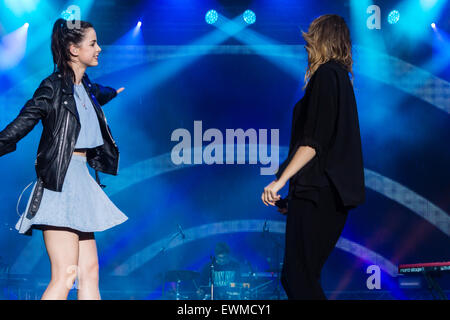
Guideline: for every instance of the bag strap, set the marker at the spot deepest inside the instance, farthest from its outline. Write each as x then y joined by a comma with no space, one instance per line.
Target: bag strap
98,180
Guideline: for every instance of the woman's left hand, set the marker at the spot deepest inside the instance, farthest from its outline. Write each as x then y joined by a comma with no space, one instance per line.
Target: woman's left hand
120,90
270,194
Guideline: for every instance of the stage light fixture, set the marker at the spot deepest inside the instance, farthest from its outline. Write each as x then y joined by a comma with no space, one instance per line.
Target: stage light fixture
393,17
211,17
249,17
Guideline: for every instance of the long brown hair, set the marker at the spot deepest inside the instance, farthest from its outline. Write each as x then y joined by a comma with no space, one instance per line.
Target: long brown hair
328,38
62,38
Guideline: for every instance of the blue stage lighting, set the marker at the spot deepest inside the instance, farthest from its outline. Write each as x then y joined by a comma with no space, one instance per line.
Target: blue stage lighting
249,17
137,29
211,17
393,17
427,4
433,25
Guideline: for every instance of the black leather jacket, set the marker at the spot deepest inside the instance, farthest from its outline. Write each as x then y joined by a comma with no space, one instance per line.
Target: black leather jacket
53,103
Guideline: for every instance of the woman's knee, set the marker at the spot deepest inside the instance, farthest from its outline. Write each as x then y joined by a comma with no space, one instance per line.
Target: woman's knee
88,261
89,272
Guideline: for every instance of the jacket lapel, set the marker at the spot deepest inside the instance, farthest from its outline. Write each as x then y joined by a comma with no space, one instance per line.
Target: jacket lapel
67,89
68,100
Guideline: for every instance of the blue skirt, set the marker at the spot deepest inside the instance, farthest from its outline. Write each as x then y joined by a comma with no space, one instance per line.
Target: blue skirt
82,205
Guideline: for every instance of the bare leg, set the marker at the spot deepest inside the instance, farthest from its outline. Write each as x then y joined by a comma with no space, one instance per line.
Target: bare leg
62,249
88,266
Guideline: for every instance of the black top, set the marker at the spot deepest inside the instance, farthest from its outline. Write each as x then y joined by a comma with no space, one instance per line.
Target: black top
326,119
223,274
223,277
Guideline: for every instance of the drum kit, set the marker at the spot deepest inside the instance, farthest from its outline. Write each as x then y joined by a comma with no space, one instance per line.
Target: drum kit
254,286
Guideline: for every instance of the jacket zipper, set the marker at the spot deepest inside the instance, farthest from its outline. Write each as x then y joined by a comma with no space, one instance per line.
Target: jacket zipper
107,130
63,145
118,153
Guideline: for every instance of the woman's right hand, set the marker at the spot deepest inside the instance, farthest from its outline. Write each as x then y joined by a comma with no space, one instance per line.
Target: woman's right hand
270,194
120,90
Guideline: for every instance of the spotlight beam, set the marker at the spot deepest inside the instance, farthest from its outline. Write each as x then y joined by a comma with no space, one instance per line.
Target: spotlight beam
440,58
12,48
268,48
152,76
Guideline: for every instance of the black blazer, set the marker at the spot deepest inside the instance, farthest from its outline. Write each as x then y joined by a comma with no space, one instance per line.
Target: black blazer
326,119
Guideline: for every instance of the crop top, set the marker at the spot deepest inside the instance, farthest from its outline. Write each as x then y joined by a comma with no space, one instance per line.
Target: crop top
90,135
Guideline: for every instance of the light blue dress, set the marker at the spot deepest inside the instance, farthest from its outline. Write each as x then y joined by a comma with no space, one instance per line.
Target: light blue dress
82,205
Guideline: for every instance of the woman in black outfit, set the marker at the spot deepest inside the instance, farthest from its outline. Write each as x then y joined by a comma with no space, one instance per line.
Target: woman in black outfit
325,165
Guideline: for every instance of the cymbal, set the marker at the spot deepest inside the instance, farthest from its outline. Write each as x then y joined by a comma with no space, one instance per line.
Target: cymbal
179,275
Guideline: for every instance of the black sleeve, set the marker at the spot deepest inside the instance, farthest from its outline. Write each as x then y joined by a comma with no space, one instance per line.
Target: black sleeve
104,94
35,109
321,112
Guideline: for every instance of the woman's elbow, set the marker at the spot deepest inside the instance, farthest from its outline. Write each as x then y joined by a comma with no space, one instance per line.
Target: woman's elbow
309,150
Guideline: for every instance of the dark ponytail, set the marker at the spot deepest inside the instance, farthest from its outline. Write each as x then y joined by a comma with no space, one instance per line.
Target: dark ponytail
64,34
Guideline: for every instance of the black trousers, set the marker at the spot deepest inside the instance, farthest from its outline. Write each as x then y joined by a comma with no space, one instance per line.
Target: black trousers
312,232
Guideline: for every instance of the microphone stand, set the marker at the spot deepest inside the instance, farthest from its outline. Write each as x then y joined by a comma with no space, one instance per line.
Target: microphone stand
277,246
211,276
163,250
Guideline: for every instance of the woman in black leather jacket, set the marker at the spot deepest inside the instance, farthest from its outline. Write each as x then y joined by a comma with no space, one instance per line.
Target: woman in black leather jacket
67,204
